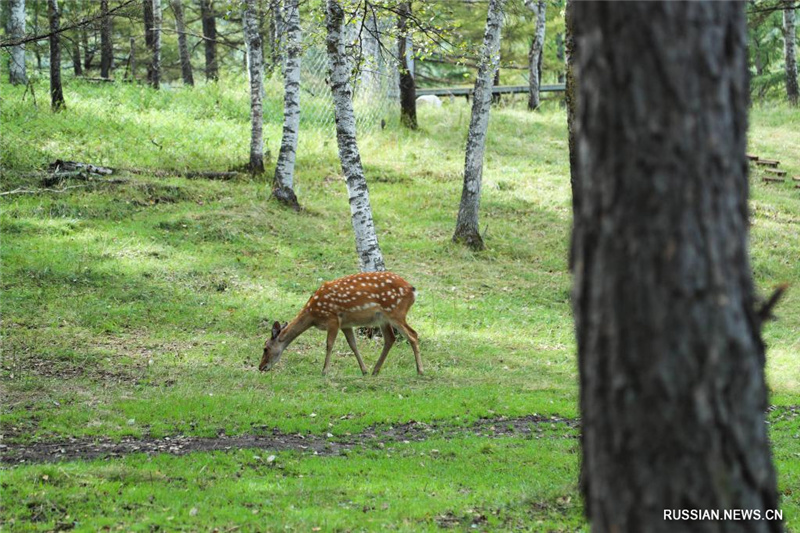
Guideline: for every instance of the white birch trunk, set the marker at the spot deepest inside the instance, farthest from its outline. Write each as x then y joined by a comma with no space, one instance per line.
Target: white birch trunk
16,26
535,54
183,45
369,252
255,65
789,37
467,222
154,68
283,188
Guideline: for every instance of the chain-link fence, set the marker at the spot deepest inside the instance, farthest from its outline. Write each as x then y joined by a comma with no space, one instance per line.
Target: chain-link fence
376,89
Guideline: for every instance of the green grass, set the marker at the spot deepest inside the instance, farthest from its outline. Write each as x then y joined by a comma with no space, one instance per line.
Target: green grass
141,309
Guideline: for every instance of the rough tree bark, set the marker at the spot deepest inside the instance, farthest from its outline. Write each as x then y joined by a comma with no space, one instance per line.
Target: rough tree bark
77,67
56,92
106,45
153,40
367,248
132,59
670,354
560,55
789,38
16,30
88,52
210,38
183,44
535,54
467,222
255,55
283,186
571,104
408,88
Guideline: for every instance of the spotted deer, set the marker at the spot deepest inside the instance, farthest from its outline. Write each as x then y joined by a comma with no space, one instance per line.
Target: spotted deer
367,299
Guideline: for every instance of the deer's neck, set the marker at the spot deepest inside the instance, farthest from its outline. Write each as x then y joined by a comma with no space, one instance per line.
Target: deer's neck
296,327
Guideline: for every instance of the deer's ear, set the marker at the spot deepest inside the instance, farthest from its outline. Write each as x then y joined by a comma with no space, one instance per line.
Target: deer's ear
276,328
284,326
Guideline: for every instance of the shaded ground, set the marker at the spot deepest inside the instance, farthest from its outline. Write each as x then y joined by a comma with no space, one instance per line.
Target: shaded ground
82,449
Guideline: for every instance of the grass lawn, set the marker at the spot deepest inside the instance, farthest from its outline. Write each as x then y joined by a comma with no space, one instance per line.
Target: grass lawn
139,310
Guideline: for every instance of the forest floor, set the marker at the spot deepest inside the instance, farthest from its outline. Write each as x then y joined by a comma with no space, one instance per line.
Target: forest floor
134,314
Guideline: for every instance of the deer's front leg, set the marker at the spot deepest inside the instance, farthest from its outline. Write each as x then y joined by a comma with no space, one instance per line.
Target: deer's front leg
333,331
351,340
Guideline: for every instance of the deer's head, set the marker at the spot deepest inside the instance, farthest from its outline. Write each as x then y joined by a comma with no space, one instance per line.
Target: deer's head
273,348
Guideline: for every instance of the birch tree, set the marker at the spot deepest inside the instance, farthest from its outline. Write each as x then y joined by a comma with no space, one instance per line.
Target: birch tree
367,248
408,89
256,65
209,19
106,45
17,73
536,52
670,354
467,222
152,21
789,39
183,45
283,186
370,51
56,91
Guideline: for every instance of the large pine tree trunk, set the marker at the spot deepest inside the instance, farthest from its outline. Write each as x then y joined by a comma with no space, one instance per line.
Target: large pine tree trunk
106,45
283,187
569,100
210,38
183,44
670,354
255,55
56,91
467,222
789,37
369,252
408,87
536,52
16,30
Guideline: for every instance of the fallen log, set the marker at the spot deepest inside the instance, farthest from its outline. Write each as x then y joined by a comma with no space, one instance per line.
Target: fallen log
59,166
68,169
115,181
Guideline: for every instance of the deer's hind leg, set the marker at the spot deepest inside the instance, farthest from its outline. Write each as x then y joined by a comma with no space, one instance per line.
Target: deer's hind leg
388,341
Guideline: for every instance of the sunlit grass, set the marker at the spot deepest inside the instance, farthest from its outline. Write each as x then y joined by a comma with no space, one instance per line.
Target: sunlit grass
141,309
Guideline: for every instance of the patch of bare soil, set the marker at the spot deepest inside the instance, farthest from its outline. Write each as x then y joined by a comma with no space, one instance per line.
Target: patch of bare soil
375,436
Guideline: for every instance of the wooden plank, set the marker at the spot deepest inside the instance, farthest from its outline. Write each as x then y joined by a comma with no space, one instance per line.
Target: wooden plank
796,178
752,157
772,180
768,162
500,89
775,171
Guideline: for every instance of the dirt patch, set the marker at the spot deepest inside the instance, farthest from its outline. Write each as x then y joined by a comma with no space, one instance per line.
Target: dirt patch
376,436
